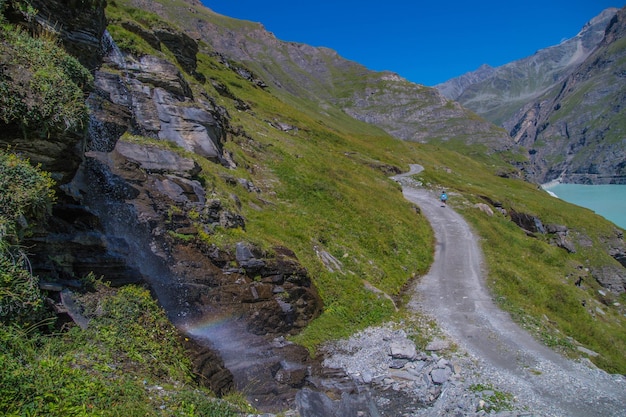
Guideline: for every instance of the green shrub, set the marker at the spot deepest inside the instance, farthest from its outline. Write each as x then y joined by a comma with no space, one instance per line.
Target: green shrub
41,86
25,195
20,297
25,192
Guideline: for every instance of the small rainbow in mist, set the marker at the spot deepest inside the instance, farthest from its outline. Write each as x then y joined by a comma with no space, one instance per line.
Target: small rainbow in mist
207,325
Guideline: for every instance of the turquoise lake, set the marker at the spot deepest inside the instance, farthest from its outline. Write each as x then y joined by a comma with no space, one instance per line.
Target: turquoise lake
609,201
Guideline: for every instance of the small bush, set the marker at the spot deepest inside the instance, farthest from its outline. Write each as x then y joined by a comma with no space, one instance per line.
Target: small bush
20,297
25,195
41,86
25,192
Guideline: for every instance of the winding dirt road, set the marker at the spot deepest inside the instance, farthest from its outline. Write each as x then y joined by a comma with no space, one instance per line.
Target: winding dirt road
454,293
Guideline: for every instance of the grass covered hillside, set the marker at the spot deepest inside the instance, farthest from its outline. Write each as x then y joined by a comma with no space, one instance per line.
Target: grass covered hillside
532,278
324,187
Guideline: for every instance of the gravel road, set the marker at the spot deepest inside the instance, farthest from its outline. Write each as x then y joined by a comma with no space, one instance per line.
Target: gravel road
455,295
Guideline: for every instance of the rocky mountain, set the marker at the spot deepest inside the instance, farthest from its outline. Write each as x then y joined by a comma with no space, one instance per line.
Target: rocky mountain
576,132
406,110
329,82
497,93
534,98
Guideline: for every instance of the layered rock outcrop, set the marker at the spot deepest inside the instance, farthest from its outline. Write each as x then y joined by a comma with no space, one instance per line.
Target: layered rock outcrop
80,26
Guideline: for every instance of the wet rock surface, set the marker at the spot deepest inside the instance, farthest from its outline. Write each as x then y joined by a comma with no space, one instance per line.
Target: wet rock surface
234,303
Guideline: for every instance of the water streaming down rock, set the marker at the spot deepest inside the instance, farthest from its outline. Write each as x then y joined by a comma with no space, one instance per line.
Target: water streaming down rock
105,195
112,52
110,103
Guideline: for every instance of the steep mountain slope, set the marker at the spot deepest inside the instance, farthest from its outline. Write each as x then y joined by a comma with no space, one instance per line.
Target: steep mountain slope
497,93
576,132
563,104
330,83
301,160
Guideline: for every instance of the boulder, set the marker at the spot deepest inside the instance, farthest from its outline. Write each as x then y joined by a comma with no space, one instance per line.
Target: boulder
611,277
440,375
292,374
402,349
157,160
556,228
528,222
562,241
484,208
437,344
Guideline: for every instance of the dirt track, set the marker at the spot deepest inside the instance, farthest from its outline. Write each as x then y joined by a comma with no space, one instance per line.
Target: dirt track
454,293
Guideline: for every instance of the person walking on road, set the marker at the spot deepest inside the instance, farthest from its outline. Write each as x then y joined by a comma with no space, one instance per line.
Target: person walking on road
444,198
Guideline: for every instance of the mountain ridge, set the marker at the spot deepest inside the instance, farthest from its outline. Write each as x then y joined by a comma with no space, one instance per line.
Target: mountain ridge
536,73
404,109
574,132
534,100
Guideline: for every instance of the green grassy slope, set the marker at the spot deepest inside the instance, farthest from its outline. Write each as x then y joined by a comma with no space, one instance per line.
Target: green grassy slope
325,187
531,278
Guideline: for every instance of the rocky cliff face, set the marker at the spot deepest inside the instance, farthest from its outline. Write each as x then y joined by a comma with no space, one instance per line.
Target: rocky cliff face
561,104
575,132
79,27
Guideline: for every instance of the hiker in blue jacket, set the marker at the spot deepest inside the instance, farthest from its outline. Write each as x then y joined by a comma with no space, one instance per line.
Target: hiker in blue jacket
443,198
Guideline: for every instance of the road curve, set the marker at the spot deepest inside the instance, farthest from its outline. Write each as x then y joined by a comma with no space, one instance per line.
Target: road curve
454,293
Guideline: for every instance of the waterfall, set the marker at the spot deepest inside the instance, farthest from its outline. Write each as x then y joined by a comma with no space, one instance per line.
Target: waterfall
106,196
110,87
260,366
113,52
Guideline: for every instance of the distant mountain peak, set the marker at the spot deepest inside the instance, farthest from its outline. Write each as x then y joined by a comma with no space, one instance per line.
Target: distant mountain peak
497,93
605,15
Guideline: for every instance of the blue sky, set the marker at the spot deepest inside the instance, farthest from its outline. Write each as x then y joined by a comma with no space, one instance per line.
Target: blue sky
426,43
